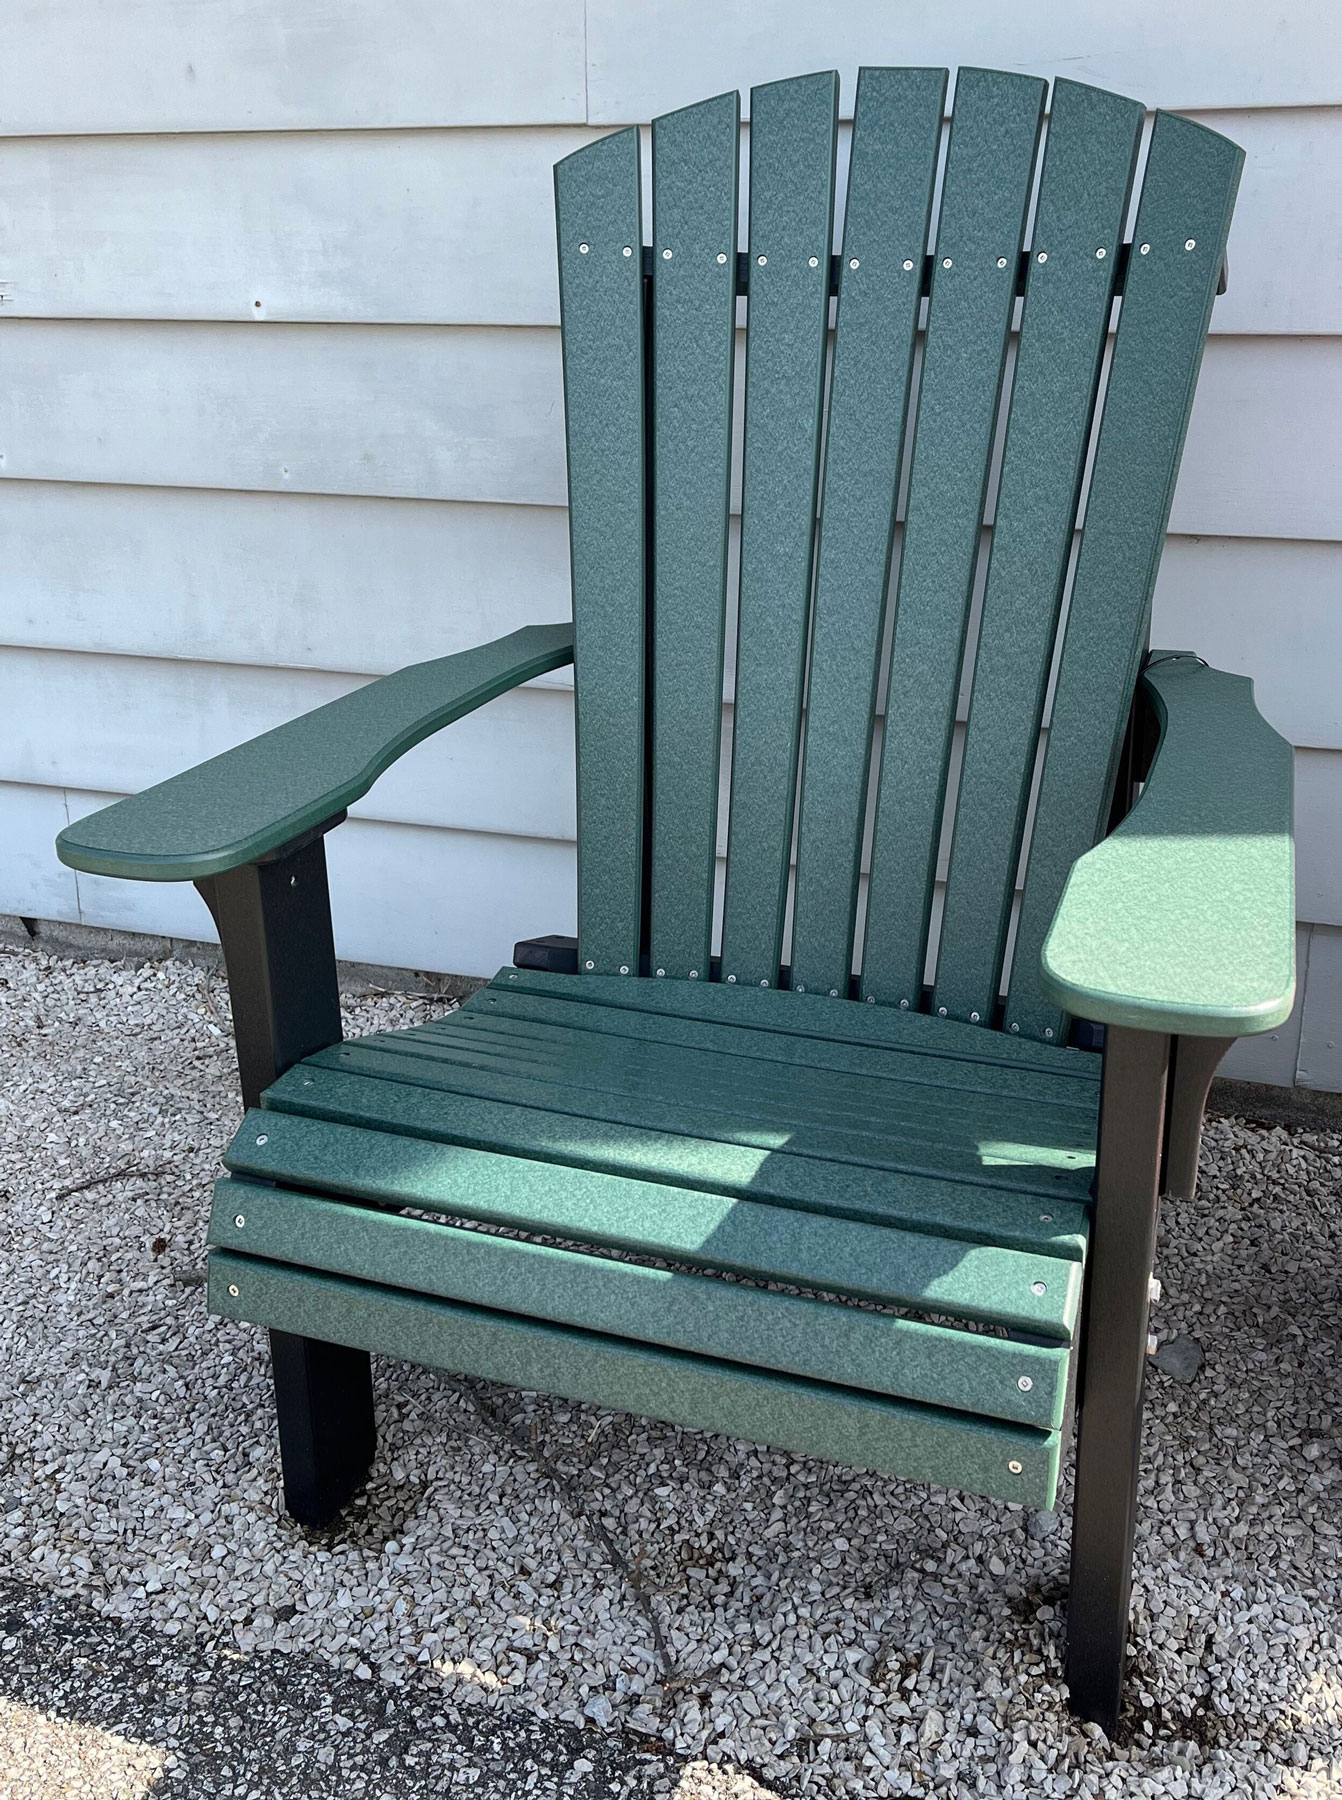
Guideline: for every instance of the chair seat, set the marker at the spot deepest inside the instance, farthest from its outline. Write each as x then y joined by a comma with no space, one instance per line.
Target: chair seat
834,1227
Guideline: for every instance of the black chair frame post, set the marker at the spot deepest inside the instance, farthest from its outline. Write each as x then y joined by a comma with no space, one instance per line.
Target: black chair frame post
274,922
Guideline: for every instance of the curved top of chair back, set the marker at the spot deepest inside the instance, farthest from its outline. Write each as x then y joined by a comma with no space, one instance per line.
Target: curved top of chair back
918,416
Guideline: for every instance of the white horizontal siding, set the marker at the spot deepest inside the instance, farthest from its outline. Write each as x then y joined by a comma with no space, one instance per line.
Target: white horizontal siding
292,581
214,65
32,882
123,723
457,227
218,65
646,59
80,721
220,512
304,581
1273,1056
1320,1058
407,894
476,413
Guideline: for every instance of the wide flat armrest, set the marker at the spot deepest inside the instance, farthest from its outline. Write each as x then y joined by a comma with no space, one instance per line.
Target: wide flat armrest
1183,919
251,800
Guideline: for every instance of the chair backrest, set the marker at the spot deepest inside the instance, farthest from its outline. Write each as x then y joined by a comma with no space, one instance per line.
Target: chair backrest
844,742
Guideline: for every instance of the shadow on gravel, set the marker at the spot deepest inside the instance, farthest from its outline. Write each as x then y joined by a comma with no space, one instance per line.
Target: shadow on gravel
265,1727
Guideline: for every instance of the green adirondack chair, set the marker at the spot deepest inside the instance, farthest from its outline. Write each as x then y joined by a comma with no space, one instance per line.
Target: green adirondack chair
764,1113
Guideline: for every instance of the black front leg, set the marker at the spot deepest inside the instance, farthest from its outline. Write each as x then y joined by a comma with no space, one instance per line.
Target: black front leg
324,1404
274,920
1113,1368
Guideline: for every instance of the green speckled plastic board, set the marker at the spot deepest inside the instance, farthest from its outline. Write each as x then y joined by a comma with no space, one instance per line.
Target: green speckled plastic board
896,135
1183,918
999,1140
251,800
922,1443
989,173
982,1209
598,205
1089,159
694,174
751,1236
792,148
809,1016
827,1340
502,1007
1182,218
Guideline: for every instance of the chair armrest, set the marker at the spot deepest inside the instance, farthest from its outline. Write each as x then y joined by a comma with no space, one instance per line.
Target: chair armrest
263,794
1182,920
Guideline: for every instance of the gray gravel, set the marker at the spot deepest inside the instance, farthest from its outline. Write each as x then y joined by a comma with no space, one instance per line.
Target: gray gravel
750,1621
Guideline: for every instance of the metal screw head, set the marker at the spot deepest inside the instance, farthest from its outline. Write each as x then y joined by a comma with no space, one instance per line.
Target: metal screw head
240,1221
1042,256
661,971
946,262
666,256
694,974
722,256
1048,1031
1046,1218
1190,243
941,1012
233,1289
973,1018
263,1139
871,999
1015,1467
1039,1289
853,263
1144,249
834,993
628,250
764,984
512,978
1001,262
903,1006
1015,1027
731,978
624,968
761,260
800,988
1024,1383
908,263
1101,253
589,965
813,262
583,249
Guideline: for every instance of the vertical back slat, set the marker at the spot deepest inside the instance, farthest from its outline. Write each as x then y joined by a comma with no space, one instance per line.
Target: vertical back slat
1089,160
792,142
896,136
598,206
695,156
989,174
1179,241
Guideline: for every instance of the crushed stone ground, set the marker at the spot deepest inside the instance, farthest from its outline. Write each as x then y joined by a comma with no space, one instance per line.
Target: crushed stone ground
717,1621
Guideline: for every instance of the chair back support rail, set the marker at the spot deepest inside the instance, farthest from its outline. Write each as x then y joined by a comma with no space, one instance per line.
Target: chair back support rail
931,479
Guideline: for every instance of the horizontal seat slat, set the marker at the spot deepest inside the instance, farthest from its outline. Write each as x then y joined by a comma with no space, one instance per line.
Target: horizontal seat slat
743,1236
742,1088
704,1314
812,1016
954,1208
1011,1155
499,1002
906,1438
